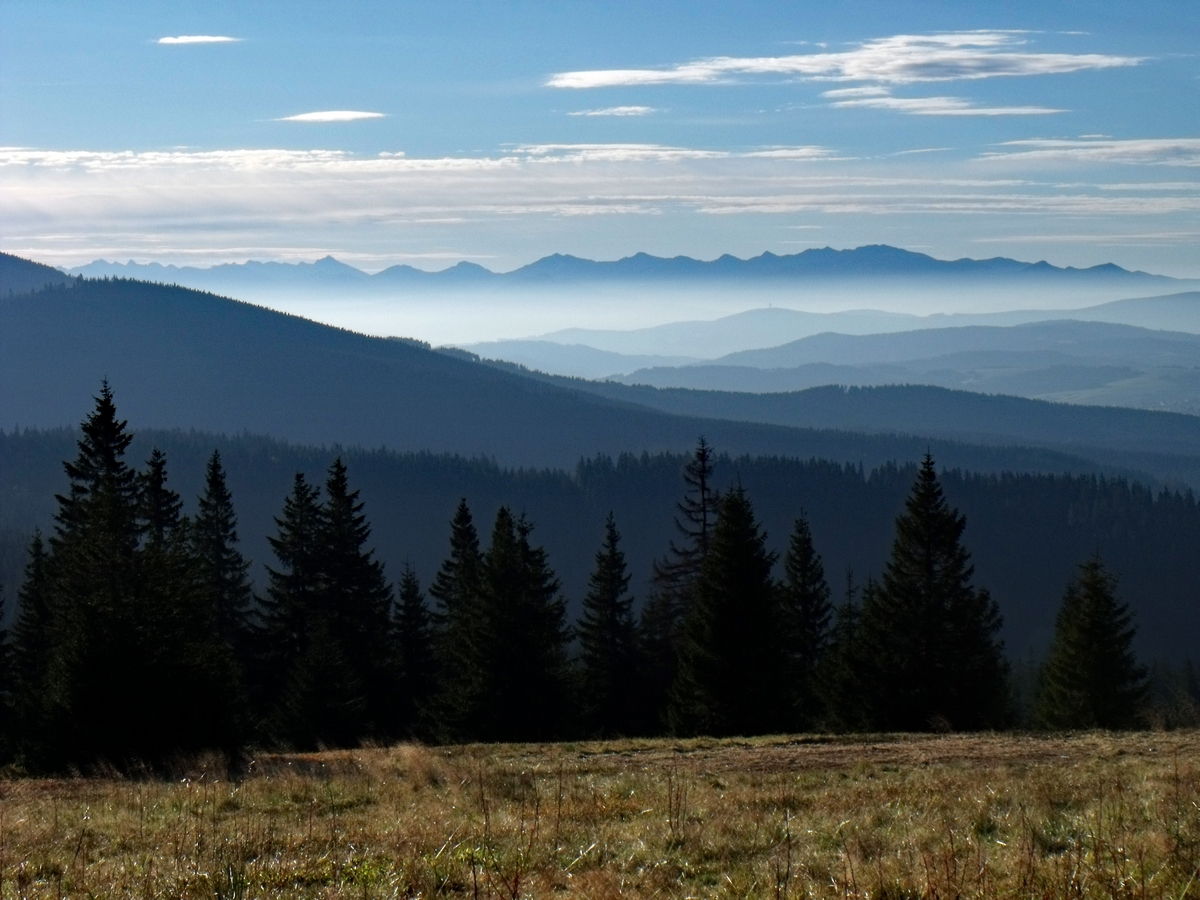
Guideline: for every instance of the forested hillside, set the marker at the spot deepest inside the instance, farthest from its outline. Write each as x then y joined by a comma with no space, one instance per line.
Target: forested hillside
179,358
1027,532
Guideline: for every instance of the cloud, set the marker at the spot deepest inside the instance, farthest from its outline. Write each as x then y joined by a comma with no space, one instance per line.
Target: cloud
332,115
881,98
616,111
198,39
900,59
1138,151
144,204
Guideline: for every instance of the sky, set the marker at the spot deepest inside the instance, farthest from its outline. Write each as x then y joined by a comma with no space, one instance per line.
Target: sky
501,132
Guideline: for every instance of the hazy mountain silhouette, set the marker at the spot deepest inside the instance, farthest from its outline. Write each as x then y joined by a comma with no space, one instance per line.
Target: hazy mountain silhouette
772,327
180,358
873,262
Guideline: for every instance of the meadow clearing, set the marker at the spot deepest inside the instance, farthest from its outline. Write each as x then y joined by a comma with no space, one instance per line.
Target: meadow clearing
1087,815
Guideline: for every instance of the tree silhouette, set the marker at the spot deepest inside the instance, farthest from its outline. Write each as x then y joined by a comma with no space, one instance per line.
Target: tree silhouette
929,635
732,663
1091,678
807,613
609,680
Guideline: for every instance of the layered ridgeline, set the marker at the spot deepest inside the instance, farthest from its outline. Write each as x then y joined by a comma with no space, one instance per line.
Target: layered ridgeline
184,359
871,263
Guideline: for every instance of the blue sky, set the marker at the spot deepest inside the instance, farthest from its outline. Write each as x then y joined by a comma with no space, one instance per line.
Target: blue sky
502,132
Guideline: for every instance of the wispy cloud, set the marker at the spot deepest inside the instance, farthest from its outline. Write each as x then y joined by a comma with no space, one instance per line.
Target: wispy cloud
881,98
1138,151
332,115
142,204
198,39
616,111
900,59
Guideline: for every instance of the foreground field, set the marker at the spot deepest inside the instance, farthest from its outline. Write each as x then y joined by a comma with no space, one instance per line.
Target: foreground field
996,816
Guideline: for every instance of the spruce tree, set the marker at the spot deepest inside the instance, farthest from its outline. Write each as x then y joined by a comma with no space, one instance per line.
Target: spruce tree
674,581
609,677
292,618
97,679
160,508
929,635
732,663
416,664
222,574
192,679
807,613
356,598
840,677
458,627
32,648
523,638
1092,678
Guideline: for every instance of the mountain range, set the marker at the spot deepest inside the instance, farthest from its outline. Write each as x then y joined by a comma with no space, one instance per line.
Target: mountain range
873,262
179,358
756,329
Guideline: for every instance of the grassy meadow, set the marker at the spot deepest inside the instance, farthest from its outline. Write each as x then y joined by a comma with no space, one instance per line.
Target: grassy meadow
1091,815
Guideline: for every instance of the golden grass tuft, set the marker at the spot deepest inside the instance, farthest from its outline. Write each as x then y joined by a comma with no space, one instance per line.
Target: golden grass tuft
1092,815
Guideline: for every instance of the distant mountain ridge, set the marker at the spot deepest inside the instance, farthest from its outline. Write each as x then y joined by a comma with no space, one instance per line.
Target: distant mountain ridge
867,262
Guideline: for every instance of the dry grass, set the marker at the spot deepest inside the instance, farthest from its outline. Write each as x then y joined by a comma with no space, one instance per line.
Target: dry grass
998,816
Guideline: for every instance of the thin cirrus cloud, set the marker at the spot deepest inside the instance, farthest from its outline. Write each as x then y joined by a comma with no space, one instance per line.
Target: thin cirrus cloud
881,98
616,111
333,115
1136,151
198,39
900,59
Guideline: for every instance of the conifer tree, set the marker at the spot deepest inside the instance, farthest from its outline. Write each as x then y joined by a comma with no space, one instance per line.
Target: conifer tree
160,508
96,673
673,587
842,700
609,680
732,663
327,621
292,618
356,598
807,613
222,573
416,665
1092,678
523,639
192,678
32,649
458,627
929,635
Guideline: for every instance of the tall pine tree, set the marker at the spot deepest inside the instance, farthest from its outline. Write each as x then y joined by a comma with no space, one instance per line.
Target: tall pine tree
930,636
96,699
305,682
416,665
733,662
610,667
222,574
673,587
841,674
458,628
1092,678
807,613
31,652
523,638
356,598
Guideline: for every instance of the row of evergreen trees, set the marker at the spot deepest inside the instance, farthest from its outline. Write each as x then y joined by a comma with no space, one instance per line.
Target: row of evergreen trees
139,635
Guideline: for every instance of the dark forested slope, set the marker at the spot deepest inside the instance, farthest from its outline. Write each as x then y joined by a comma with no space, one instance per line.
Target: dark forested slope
19,275
180,358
